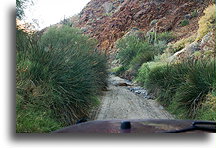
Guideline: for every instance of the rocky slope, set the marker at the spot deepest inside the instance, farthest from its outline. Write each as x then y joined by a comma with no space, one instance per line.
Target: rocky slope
109,20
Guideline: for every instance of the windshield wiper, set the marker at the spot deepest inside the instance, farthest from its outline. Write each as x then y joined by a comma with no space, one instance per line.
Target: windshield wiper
200,126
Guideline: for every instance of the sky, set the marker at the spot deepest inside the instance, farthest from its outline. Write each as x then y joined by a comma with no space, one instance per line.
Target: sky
48,12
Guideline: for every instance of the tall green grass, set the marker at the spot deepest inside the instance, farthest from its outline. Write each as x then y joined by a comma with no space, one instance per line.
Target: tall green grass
145,70
59,79
134,51
183,87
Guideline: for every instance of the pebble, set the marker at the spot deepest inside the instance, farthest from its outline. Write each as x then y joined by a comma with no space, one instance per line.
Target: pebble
140,91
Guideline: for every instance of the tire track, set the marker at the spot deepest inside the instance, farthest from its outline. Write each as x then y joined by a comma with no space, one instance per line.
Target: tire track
120,103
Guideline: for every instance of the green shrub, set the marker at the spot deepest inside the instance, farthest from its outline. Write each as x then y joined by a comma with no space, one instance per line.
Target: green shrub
184,22
160,47
128,47
145,70
33,119
66,37
154,38
144,54
206,113
182,87
119,70
194,13
160,79
61,77
133,52
208,107
165,37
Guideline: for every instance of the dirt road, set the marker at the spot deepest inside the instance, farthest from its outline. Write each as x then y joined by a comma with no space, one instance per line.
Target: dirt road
119,102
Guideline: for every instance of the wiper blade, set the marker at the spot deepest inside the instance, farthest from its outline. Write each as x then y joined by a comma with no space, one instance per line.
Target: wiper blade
198,125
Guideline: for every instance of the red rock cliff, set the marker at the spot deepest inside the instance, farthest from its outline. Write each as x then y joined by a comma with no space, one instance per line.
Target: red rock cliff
109,20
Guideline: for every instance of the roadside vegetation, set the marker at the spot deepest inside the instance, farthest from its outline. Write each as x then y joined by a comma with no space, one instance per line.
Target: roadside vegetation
134,51
59,77
182,88
187,87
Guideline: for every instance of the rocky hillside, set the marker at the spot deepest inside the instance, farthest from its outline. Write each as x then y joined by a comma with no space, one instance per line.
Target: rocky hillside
109,20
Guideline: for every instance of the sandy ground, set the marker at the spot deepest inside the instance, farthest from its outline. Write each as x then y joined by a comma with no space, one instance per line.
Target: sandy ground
120,103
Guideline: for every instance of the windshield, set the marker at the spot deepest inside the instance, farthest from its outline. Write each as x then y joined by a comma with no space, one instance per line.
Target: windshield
151,64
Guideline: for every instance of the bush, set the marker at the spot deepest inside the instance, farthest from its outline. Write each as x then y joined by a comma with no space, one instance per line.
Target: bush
206,22
119,70
194,13
144,54
184,22
61,77
165,37
154,38
182,87
33,119
160,47
207,109
133,52
66,37
144,71
128,47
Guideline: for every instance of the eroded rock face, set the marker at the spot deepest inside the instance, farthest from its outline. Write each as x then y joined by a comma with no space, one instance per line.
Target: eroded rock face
109,20
208,41
185,52
206,44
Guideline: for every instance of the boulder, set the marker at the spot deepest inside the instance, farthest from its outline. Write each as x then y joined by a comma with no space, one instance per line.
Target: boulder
188,16
185,52
108,7
191,48
207,41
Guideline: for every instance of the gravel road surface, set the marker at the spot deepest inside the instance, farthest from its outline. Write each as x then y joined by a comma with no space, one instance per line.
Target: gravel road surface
119,102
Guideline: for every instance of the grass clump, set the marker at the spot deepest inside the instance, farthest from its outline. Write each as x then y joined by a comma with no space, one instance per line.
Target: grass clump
194,13
58,79
183,87
155,38
184,22
32,119
129,48
133,52
119,70
208,107
165,37
145,70
206,22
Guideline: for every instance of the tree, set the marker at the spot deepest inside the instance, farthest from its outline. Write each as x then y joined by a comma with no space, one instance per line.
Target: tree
20,6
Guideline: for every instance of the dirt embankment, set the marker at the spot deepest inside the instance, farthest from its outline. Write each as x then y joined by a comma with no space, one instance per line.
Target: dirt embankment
119,102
